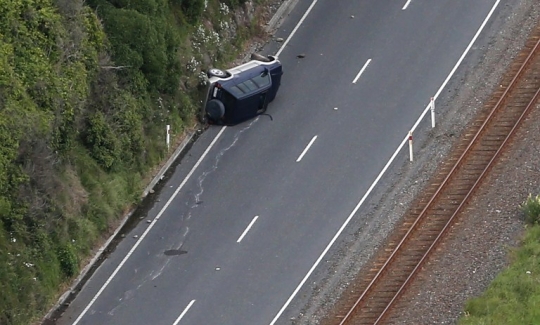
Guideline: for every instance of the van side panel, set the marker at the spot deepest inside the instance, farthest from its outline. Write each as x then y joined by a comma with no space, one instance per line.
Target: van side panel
244,109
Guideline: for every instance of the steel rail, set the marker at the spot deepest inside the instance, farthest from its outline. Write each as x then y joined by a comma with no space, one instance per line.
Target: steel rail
500,103
469,194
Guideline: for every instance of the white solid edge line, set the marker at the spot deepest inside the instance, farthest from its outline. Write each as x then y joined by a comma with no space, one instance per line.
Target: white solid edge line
406,5
361,71
306,149
183,313
295,292
178,189
148,229
296,27
247,229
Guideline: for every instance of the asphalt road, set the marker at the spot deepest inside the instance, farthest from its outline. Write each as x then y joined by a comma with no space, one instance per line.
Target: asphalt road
252,176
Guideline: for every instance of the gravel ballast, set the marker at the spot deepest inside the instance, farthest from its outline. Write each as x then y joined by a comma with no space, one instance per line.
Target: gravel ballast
477,247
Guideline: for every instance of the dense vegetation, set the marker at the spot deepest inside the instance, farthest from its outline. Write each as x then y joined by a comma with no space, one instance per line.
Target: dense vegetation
86,89
514,296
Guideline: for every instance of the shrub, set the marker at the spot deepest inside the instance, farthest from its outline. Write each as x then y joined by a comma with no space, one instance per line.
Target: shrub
143,40
531,208
192,9
67,256
101,141
86,89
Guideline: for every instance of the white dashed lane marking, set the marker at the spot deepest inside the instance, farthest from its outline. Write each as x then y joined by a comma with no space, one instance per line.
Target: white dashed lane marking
361,71
307,148
247,229
183,313
406,5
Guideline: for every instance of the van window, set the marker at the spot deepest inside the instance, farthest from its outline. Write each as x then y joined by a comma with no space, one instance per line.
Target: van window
262,80
236,91
243,87
250,84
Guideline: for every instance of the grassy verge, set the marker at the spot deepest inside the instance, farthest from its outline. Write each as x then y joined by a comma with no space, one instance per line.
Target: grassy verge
86,89
513,298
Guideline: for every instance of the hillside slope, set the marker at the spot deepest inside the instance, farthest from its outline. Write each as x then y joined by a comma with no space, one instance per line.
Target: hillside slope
86,89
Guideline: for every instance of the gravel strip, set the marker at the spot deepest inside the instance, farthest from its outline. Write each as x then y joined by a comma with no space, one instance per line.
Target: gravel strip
476,249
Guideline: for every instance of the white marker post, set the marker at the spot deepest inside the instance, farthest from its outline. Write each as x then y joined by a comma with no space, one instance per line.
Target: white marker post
410,146
168,136
432,108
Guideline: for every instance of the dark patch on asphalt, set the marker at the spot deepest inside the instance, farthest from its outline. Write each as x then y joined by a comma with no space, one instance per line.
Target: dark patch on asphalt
174,252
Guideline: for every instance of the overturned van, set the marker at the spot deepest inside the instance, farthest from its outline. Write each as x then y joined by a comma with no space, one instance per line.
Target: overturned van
243,92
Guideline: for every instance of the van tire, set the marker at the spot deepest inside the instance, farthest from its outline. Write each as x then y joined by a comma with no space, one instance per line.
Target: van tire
216,73
215,110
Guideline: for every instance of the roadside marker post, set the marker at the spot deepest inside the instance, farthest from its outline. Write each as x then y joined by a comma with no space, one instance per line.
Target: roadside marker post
168,136
410,146
432,108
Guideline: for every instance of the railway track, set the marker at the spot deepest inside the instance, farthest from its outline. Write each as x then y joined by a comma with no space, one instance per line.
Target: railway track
434,212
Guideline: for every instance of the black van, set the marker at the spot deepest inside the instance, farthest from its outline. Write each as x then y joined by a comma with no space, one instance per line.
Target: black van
242,92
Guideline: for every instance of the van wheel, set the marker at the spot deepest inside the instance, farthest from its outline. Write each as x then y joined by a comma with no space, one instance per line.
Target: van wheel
215,110
216,73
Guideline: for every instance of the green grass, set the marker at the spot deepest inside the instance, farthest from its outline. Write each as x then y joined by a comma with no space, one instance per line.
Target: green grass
92,86
513,298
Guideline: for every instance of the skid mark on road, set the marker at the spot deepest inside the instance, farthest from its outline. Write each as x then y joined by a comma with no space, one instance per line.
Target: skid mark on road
197,201
214,167
158,273
128,295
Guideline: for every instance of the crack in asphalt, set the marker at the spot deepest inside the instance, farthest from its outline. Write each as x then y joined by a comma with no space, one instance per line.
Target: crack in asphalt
197,196
218,157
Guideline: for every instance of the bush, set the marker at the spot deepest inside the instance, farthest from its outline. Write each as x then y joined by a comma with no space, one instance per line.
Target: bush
101,141
86,89
67,256
192,9
143,40
531,208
